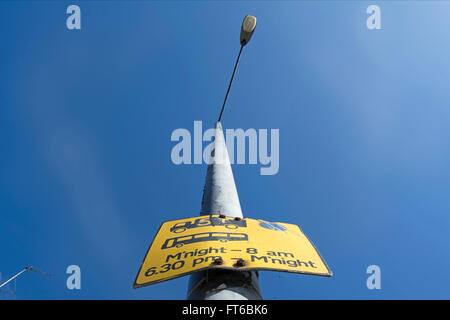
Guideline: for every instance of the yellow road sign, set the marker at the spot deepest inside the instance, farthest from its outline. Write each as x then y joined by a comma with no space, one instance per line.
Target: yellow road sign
189,245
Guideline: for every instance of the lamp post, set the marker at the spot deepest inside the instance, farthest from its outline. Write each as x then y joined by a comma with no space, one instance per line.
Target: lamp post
220,197
247,29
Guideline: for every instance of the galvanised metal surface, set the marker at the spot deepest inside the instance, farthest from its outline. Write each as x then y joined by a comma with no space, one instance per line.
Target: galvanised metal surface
220,197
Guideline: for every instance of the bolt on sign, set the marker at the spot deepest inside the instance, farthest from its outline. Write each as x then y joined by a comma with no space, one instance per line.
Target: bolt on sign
185,246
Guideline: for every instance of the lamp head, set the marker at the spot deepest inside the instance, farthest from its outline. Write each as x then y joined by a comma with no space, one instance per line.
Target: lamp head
248,26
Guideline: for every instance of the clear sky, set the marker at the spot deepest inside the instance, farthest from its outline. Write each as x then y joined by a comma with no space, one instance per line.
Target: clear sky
86,117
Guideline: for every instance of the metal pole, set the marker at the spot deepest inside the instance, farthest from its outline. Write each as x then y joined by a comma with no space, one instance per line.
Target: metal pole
18,274
229,85
220,197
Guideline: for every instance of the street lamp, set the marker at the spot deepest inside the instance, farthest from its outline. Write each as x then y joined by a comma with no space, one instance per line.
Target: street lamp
220,197
247,29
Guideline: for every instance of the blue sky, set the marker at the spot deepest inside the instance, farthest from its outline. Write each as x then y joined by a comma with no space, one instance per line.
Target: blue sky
86,117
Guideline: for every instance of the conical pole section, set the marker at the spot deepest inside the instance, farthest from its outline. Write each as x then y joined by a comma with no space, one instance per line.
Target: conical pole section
220,196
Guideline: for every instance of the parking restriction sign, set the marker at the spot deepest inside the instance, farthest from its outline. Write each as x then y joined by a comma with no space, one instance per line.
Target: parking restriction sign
185,246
